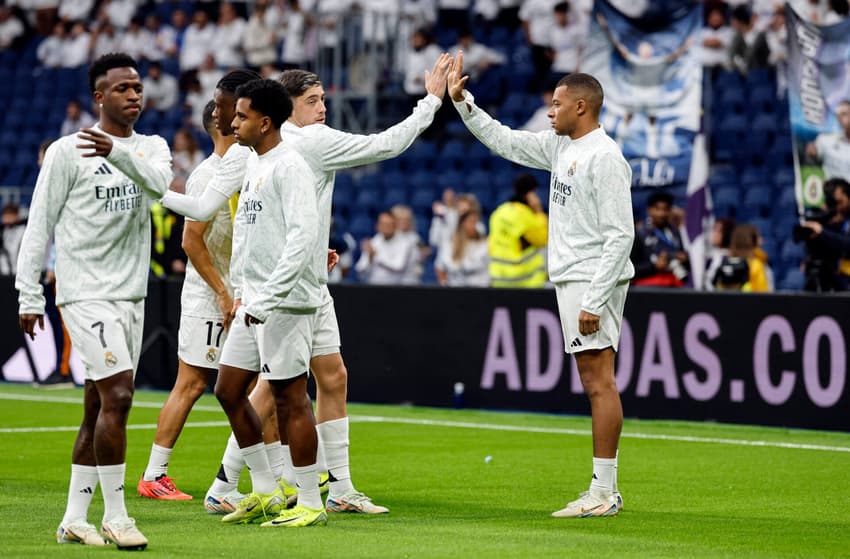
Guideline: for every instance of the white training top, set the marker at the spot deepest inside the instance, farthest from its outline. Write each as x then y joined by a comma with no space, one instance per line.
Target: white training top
281,235
95,209
198,298
834,152
591,227
327,150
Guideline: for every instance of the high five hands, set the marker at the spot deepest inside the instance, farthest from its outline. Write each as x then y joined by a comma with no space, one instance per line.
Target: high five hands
435,80
456,79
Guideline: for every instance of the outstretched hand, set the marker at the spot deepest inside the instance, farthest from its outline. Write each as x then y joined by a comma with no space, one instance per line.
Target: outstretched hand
456,79
99,143
435,80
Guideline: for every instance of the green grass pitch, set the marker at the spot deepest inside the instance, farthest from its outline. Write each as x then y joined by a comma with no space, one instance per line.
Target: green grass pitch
690,489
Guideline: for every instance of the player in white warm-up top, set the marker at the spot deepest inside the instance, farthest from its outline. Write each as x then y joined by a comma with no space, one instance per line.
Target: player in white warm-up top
205,305
92,195
591,230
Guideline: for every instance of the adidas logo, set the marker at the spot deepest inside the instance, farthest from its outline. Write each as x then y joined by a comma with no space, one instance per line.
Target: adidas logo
120,488
266,368
103,170
87,490
594,477
576,343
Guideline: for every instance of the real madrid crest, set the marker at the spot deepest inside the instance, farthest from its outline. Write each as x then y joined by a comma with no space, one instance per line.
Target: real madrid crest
211,355
110,359
572,170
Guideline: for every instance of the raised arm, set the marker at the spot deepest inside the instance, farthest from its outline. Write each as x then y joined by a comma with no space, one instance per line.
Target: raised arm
532,149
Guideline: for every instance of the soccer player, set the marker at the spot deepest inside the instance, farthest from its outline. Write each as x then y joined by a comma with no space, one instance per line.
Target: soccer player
591,231
280,257
206,302
91,193
326,150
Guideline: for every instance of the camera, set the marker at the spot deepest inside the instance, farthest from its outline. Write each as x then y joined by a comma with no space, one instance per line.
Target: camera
801,233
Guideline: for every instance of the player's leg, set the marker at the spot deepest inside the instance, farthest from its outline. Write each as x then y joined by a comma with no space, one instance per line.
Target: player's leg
75,527
189,386
332,414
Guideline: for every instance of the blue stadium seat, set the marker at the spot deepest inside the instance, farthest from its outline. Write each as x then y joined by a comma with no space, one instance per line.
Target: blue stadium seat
450,179
395,195
392,179
423,197
784,176
784,224
758,197
793,280
453,155
421,155
731,101
361,226
792,253
368,200
343,181
343,199
478,155
760,223
754,176
725,199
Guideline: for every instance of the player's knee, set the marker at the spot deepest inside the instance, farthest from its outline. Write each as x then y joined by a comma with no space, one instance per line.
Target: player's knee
226,397
118,401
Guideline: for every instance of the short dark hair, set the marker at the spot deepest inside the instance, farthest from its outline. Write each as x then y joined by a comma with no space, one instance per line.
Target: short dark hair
523,184
11,207
106,63
742,13
585,86
234,78
833,184
659,196
296,82
562,7
207,118
269,98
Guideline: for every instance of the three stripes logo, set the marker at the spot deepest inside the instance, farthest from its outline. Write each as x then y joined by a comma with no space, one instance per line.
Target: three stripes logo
86,490
103,170
576,343
266,368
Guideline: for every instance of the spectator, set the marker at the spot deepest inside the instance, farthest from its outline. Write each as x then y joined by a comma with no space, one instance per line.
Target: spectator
196,99
179,24
119,12
75,10
776,36
11,28
749,46
540,120
136,39
198,42
537,22
229,32
13,227
715,39
167,256
721,236
344,244
75,118
447,215
827,239
259,41
185,156
161,90
385,258
49,52
467,262
75,51
162,39
658,253
519,229
477,58
567,39
294,24
453,14
104,41
833,150
406,228
742,269
420,57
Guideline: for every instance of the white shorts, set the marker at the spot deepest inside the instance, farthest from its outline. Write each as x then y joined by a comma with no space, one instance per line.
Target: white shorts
200,339
107,335
285,341
326,330
569,295
240,348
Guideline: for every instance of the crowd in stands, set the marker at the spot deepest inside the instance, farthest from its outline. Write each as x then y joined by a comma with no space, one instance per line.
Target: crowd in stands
388,226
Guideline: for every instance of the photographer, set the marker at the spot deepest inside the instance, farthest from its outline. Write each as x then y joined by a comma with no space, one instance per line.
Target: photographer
827,240
12,232
658,253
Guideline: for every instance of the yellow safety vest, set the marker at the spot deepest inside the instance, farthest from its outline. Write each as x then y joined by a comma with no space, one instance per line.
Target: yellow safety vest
162,222
517,234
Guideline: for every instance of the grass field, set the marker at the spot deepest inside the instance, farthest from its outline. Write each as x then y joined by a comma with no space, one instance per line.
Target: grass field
690,489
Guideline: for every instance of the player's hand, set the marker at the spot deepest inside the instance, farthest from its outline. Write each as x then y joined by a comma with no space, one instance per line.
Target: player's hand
249,320
27,323
227,308
231,315
587,323
456,79
435,80
534,201
99,143
333,259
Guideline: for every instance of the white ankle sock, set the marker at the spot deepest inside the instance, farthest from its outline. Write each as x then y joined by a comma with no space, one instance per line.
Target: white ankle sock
227,479
334,436
158,462
275,453
604,470
257,460
80,492
616,466
112,487
288,473
307,481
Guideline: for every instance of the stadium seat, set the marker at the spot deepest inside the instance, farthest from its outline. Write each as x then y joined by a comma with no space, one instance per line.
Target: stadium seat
450,179
754,176
343,199
392,179
368,199
793,280
784,176
423,197
395,195
726,199
453,155
361,226
759,197
791,252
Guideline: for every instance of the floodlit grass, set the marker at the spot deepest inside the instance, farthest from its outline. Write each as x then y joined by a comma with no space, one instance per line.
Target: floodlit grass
702,497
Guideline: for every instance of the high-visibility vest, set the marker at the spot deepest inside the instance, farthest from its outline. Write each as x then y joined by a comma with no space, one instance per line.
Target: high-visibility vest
162,224
517,234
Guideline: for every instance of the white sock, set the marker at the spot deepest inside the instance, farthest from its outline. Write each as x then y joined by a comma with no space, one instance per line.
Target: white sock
80,492
321,459
257,460
158,462
334,436
275,453
616,465
604,470
307,481
288,473
112,487
227,479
